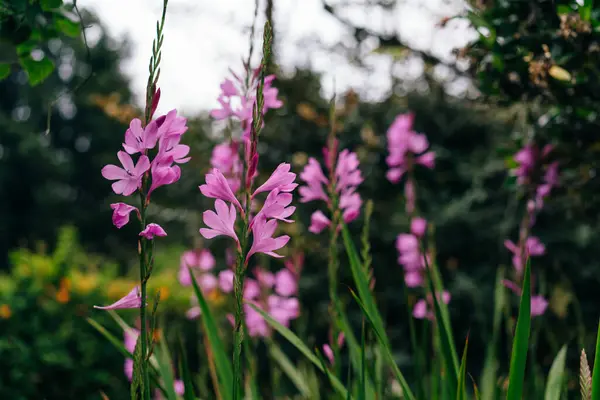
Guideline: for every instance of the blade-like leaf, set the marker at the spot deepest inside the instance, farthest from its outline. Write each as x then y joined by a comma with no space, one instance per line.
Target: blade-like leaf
137,380
295,340
490,367
188,393
165,368
222,363
556,375
596,369
111,338
518,358
289,369
461,393
406,392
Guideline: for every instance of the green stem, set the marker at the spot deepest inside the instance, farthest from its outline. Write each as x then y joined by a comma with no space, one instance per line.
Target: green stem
143,281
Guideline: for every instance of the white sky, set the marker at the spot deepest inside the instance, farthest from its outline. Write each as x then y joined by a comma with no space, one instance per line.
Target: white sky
203,38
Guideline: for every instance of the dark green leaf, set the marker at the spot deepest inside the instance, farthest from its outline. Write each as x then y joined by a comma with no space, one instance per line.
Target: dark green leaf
518,359
4,71
289,369
36,71
165,367
188,393
596,369
48,5
137,381
461,393
68,27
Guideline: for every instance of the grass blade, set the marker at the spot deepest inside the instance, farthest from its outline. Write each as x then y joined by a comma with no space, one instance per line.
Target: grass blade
556,375
518,358
596,369
461,393
186,376
111,338
407,393
165,367
490,367
289,369
298,344
222,363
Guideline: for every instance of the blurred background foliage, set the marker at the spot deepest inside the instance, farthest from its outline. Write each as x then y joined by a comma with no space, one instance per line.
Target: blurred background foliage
535,66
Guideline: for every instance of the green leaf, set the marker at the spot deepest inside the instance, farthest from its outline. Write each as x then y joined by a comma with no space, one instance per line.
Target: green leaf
111,338
68,27
36,71
188,393
585,11
165,368
490,367
479,22
297,343
289,369
4,71
596,370
556,375
137,381
48,5
383,342
518,359
563,9
461,392
222,362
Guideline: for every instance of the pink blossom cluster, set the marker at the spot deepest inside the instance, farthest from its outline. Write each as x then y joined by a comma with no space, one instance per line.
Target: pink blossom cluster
406,148
263,225
534,171
424,307
409,253
160,139
129,341
236,100
226,158
328,351
347,176
539,177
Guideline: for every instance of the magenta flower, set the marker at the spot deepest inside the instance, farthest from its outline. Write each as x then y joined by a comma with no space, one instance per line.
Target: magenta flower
129,178
262,238
256,324
170,125
216,187
164,174
131,300
152,230
220,223
281,179
285,283
225,158
313,174
226,280
283,309
538,302
533,248
347,172
410,257
328,351
423,308
276,206
313,191
121,212
350,203
138,139
418,226
194,259
251,289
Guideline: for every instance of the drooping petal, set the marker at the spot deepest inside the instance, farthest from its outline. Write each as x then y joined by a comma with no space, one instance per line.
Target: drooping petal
131,300
121,212
153,230
217,187
281,179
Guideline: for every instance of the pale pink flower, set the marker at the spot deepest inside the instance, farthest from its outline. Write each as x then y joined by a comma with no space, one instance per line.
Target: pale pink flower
216,187
121,212
276,206
225,158
283,309
312,173
163,174
220,223
138,139
202,260
153,230
312,192
262,238
207,282
170,125
129,178
251,289
171,151
285,283
281,179
328,351
256,324
350,203
347,172
193,312
130,337
533,248
265,278
424,308
418,226
318,222
226,280
132,299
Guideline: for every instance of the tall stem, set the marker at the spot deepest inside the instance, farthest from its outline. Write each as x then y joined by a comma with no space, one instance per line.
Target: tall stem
143,281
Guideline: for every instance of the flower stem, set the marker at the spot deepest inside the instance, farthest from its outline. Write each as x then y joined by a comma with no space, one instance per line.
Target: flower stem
143,281
238,293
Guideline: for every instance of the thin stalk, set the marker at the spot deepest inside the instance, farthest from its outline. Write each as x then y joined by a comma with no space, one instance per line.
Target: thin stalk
143,281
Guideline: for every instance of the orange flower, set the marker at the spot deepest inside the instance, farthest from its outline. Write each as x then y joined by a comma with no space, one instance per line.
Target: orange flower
5,311
62,296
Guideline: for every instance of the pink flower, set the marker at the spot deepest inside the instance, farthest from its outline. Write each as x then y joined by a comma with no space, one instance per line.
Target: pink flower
128,368
225,158
347,172
350,203
283,309
216,187
538,303
220,223
285,283
138,139
312,192
121,212
131,300
262,238
276,206
264,277
427,160
533,248
172,151
164,174
418,226
312,173
318,222
207,282
327,350
193,312
281,179
130,337
152,230
410,257
129,178
256,324
226,280
170,125
202,260
395,174
423,308
251,289
409,194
